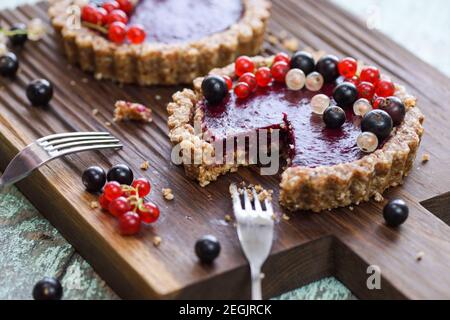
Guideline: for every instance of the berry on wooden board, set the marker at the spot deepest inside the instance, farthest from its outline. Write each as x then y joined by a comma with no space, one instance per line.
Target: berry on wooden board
18,39
207,249
112,190
395,213
119,206
94,178
129,223
48,289
142,186
39,92
9,64
121,173
148,212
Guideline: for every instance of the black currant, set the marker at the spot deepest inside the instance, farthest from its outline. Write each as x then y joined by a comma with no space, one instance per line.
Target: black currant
121,174
395,108
334,117
345,94
395,212
304,61
214,89
327,66
9,64
40,92
378,122
20,38
94,179
48,289
207,249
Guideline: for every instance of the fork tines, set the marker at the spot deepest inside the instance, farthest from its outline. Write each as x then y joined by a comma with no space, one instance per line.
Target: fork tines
64,143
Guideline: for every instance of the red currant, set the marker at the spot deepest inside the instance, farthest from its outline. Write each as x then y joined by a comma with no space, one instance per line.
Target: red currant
125,5
370,74
104,203
136,34
102,16
119,206
142,186
243,64
279,71
117,15
129,223
282,57
149,212
366,90
347,67
242,90
354,80
263,77
229,82
110,6
250,79
117,32
378,103
112,190
385,88
89,14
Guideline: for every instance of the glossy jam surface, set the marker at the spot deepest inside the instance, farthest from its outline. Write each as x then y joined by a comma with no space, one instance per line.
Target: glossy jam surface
315,145
170,21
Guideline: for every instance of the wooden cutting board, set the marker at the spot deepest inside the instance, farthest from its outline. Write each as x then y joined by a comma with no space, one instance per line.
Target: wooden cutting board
342,243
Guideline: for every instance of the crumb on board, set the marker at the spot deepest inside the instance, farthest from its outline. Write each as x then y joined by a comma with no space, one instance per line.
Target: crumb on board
425,158
85,80
262,193
73,83
167,193
227,218
95,112
351,208
131,111
291,44
145,165
158,97
272,39
94,205
285,217
420,255
157,241
378,197
108,124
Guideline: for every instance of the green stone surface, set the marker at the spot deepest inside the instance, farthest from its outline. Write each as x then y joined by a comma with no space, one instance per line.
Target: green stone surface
30,248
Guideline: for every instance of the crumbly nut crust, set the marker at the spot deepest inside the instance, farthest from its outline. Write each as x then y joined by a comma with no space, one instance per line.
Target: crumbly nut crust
304,188
158,63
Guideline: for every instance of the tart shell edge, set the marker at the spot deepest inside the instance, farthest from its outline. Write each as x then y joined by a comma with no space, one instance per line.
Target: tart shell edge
158,63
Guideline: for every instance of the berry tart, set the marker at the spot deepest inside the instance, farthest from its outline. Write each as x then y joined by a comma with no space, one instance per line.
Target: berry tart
158,42
347,132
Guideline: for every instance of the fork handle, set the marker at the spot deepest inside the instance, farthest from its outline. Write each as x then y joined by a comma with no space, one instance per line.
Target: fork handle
256,282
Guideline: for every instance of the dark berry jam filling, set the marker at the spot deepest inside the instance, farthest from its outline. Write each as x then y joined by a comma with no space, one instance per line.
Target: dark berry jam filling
315,145
170,21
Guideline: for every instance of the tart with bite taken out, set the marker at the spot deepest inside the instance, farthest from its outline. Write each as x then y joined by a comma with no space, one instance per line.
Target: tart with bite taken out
347,132
152,42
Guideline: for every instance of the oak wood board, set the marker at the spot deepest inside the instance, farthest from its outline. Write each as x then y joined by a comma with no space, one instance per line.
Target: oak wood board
308,247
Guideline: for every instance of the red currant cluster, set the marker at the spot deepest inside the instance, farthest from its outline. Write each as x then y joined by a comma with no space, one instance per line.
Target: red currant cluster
263,77
128,205
112,18
371,84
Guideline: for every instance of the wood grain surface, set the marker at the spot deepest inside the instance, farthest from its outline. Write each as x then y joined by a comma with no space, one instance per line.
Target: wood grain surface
307,247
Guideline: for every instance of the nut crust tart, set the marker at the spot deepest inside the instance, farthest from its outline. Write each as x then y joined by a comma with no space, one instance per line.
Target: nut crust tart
164,57
346,175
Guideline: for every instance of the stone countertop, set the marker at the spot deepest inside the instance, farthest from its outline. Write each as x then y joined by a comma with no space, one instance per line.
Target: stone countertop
31,248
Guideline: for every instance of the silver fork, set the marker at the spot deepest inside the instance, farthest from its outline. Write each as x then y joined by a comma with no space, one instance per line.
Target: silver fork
255,232
54,146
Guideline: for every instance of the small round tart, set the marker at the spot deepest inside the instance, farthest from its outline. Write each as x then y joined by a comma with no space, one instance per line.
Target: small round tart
175,42
335,156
